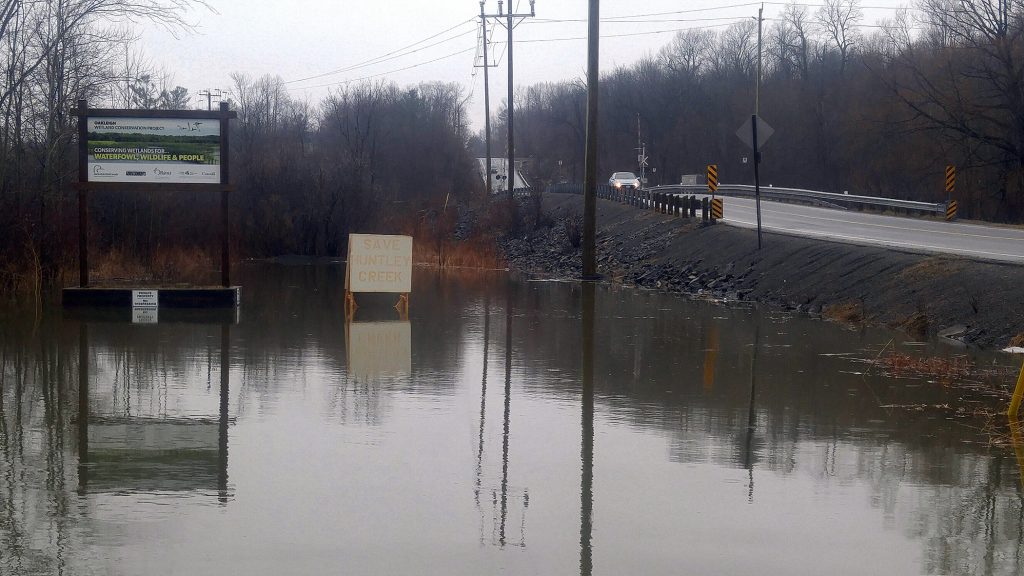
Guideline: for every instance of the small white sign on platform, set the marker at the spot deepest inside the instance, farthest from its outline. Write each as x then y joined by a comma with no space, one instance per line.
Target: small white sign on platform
145,315
145,298
379,263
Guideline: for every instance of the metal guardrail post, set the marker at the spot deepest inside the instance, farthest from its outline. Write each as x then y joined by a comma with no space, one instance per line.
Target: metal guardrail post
704,209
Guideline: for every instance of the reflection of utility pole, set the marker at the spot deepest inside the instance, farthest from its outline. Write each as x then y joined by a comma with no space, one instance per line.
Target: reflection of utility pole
483,408
587,440
508,400
748,456
510,25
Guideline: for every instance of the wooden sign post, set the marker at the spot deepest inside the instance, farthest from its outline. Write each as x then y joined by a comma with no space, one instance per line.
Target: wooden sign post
152,151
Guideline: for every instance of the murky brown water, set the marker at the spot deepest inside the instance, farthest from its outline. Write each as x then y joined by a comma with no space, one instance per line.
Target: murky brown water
502,429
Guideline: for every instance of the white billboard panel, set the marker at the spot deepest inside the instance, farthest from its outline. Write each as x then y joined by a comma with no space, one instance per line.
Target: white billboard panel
165,150
379,263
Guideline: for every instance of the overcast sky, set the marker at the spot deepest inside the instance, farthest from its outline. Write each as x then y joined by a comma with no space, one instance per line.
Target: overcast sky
298,39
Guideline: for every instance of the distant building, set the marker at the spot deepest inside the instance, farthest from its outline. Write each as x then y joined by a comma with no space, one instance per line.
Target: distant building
499,173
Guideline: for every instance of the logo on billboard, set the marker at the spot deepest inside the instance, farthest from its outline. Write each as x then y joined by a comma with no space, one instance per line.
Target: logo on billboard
99,170
158,172
135,173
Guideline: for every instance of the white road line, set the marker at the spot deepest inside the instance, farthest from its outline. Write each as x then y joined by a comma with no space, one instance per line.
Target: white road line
902,228
872,241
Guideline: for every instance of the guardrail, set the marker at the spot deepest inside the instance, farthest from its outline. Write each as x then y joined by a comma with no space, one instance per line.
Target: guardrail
831,198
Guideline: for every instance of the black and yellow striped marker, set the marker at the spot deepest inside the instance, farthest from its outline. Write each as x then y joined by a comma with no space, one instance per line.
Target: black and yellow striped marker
712,178
716,208
951,210
950,178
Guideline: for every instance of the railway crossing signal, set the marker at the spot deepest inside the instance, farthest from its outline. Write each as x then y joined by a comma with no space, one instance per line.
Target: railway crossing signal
712,178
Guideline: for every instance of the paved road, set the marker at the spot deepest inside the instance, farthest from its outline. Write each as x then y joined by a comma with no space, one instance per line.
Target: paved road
911,234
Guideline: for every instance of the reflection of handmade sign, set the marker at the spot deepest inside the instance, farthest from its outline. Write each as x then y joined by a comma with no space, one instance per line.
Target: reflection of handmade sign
379,349
379,263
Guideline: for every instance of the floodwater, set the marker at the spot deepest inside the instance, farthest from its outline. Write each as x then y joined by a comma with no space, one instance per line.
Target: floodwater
507,426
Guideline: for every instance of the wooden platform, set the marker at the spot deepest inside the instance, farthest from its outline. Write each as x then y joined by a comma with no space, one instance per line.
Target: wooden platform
167,298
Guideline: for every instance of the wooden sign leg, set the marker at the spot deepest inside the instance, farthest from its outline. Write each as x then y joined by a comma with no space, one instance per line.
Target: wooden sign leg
350,305
403,303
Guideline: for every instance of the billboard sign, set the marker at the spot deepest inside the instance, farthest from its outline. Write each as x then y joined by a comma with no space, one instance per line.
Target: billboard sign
164,150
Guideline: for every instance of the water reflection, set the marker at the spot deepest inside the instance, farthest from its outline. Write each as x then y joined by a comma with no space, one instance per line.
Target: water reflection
483,413
131,452
654,411
587,428
748,445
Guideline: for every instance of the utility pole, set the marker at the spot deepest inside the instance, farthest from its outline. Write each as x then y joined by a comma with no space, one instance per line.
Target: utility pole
590,160
757,86
487,100
210,94
757,115
510,17
641,153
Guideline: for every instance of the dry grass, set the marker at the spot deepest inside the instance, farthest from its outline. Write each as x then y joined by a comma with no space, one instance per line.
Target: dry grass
1017,341
944,369
167,266
916,326
845,312
931,268
477,253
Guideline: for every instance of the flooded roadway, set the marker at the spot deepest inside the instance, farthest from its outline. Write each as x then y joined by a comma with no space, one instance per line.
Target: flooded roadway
504,428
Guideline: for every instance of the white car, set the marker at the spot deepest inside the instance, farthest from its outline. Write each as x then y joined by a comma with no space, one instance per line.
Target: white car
620,180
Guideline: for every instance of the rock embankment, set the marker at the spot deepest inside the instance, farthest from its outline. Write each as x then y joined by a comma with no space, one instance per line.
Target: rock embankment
976,302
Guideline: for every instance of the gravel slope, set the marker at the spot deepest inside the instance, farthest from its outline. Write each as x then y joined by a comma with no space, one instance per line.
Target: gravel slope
980,302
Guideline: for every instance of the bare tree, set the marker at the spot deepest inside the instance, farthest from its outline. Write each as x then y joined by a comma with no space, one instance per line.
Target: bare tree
688,52
839,19
800,46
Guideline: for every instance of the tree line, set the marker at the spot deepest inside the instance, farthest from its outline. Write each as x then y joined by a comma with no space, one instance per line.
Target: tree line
874,109
305,173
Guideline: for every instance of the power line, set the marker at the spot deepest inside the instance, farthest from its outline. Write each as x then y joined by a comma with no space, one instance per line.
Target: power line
659,21
400,52
340,82
625,35
688,11
808,5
